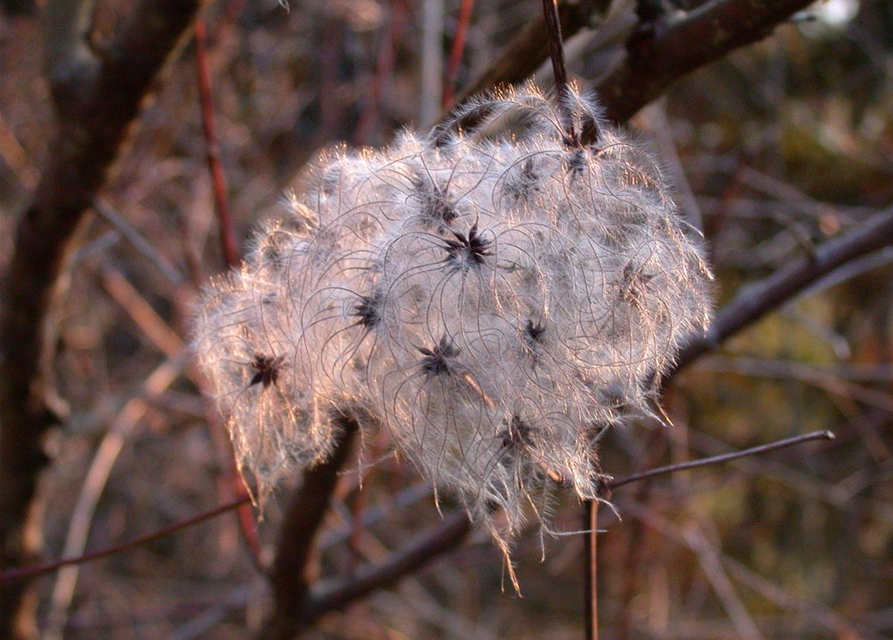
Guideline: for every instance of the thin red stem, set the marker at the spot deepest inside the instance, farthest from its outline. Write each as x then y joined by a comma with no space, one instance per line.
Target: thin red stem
384,65
218,177
34,571
457,52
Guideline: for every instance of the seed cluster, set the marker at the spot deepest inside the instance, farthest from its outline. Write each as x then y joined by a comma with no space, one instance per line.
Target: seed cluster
494,300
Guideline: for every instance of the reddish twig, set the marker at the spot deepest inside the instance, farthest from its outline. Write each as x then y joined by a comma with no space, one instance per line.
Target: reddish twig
556,52
308,507
229,248
523,55
23,573
448,535
660,56
209,128
449,84
655,59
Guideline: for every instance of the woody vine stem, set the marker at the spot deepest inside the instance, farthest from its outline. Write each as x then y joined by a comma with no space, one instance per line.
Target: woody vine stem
590,507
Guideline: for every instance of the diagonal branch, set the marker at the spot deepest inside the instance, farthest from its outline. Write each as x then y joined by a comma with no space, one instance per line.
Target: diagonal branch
409,559
666,52
82,154
71,65
758,299
657,55
303,519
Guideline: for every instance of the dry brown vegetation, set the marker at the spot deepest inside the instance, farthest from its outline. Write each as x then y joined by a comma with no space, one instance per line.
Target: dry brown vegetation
781,148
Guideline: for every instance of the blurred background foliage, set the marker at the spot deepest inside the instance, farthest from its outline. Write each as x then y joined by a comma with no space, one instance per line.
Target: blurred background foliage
774,150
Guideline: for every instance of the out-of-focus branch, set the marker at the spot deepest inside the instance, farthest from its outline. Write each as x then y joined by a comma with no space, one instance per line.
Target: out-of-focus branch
209,128
446,537
19,7
726,457
657,55
432,60
449,84
71,65
758,299
27,573
290,576
82,153
665,52
409,559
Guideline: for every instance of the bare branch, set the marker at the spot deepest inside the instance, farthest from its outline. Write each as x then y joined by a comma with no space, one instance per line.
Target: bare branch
726,457
71,65
15,575
82,153
407,560
303,519
664,53
657,55
227,232
758,299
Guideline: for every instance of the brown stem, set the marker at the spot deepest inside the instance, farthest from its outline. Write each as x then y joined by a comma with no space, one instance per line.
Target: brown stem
655,59
449,85
407,560
559,68
523,55
25,573
290,576
71,65
759,298
450,534
662,55
590,570
209,128
726,457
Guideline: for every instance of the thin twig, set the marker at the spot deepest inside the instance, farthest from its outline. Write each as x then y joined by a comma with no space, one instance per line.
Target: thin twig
559,68
218,177
523,55
694,464
381,76
449,534
407,560
710,562
449,85
590,569
659,57
432,60
31,572
94,485
655,60
138,241
824,616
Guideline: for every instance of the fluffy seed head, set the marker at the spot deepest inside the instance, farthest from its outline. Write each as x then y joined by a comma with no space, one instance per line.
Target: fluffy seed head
495,301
